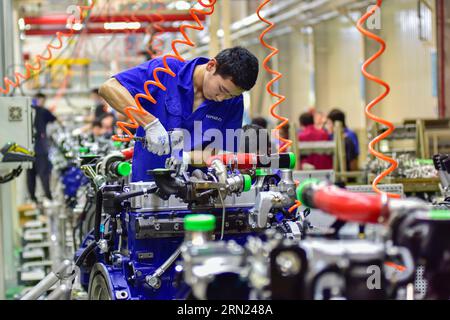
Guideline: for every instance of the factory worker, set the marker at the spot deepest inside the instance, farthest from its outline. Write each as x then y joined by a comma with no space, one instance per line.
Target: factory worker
206,91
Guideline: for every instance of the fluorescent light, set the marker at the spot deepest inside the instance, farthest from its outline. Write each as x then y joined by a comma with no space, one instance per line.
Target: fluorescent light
179,5
122,25
182,5
75,26
21,24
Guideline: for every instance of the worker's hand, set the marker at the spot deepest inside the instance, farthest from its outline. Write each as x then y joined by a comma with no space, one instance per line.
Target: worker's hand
179,164
157,138
176,140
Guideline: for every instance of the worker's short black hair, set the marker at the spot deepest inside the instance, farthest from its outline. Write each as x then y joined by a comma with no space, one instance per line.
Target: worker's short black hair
306,119
260,121
337,115
40,95
240,65
97,123
106,115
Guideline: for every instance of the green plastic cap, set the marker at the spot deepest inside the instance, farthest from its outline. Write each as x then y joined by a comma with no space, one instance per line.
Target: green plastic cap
124,169
425,161
293,161
302,186
247,183
260,172
200,222
439,215
117,144
83,150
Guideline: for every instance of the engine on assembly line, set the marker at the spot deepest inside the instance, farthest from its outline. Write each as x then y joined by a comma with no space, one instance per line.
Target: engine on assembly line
237,230
139,227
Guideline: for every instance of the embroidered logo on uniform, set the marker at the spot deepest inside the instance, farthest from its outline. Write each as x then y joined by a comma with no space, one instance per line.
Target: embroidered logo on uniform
210,116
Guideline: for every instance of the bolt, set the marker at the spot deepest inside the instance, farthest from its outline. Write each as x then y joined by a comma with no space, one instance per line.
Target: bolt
121,295
153,282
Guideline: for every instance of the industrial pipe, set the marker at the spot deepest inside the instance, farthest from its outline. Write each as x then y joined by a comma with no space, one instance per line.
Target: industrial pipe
62,19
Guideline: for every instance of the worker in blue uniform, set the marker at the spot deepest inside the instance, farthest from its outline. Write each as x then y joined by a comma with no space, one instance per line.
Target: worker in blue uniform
206,91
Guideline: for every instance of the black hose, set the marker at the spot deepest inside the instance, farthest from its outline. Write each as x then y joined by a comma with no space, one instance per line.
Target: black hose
82,218
98,215
74,235
127,196
85,253
169,185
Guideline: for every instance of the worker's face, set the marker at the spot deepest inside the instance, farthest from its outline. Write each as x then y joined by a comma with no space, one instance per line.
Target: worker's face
98,131
217,88
329,126
40,102
319,119
108,124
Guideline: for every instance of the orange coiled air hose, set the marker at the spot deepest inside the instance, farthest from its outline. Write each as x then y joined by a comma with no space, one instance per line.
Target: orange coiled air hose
278,76
8,83
391,128
129,111
284,121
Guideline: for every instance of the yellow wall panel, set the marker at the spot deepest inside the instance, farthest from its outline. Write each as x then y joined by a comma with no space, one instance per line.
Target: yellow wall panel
338,57
407,64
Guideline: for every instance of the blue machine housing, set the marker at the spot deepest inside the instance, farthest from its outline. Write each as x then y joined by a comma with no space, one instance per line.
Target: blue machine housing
72,179
147,240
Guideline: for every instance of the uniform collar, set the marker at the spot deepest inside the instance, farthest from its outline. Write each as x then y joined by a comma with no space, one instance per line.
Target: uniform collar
185,75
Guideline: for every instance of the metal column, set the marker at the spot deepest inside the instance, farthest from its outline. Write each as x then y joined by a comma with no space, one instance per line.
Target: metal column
6,37
7,200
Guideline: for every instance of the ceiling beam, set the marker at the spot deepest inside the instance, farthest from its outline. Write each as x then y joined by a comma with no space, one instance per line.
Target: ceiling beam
62,19
52,32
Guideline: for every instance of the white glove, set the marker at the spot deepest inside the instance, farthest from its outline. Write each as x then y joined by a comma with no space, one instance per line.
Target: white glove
176,140
157,138
179,164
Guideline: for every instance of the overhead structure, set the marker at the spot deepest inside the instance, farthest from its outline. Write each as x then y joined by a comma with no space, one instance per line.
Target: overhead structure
106,24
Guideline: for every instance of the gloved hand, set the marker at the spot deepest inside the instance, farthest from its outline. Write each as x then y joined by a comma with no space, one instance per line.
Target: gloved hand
157,138
176,140
179,164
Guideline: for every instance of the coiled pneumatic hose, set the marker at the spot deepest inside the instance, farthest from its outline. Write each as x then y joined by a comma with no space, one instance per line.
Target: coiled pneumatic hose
371,105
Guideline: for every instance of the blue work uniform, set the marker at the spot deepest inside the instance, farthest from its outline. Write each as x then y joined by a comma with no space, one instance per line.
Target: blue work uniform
174,109
353,138
352,135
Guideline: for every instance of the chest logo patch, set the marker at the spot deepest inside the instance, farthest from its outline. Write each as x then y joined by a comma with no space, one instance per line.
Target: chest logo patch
212,117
